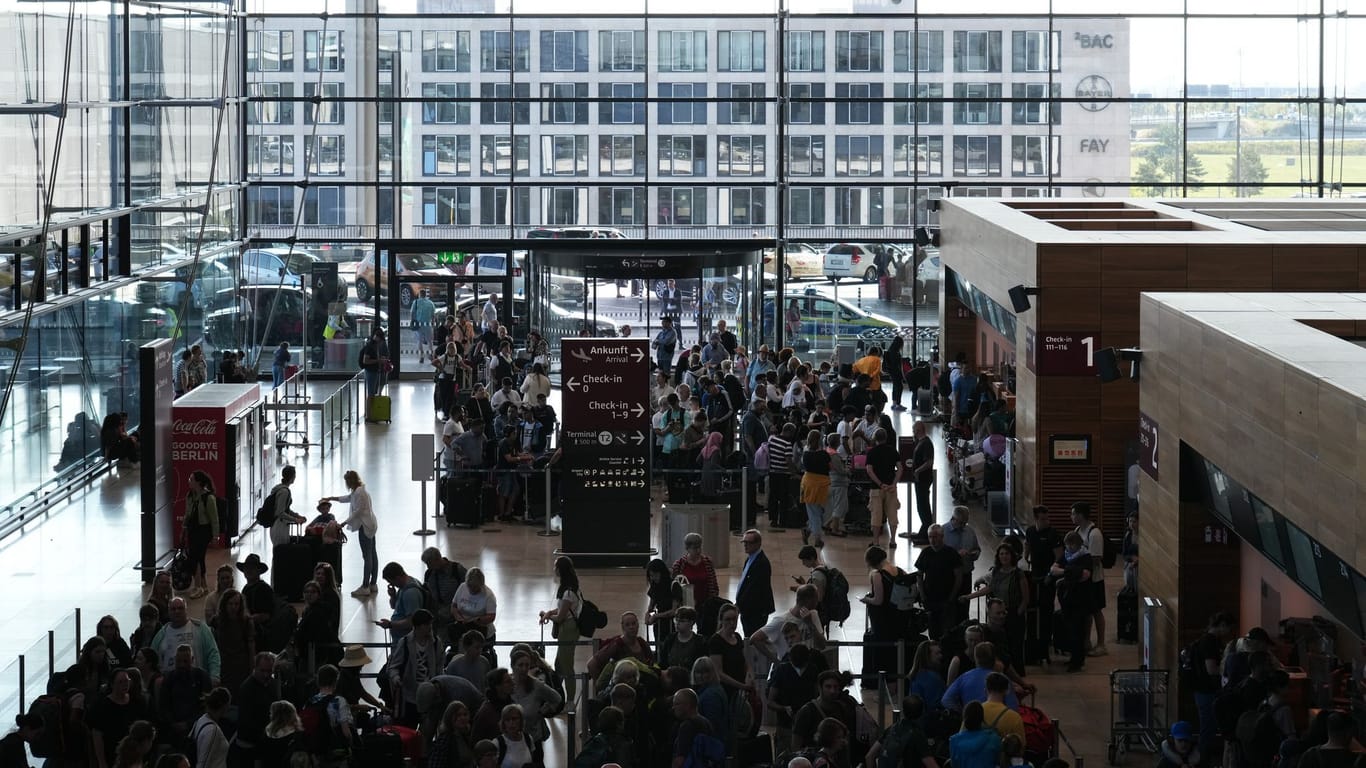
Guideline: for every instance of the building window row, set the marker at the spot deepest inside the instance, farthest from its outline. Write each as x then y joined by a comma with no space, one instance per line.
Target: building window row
682,155
621,206
451,50
567,103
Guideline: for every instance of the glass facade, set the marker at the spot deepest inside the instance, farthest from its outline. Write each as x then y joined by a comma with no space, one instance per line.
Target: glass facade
165,164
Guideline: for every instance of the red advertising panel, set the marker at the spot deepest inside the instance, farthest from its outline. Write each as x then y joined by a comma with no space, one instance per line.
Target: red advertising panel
1065,353
199,439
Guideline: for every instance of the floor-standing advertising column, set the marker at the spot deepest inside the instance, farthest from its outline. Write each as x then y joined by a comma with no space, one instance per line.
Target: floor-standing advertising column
200,440
606,442
155,394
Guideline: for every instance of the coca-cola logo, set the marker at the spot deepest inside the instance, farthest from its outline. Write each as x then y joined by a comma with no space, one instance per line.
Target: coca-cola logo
201,427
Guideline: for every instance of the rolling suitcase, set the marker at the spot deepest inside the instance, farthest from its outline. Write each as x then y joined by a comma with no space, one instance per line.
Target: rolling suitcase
327,553
1126,619
461,501
291,566
679,486
381,408
379,750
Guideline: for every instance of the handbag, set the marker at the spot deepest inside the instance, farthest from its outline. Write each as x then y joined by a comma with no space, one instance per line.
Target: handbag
181,575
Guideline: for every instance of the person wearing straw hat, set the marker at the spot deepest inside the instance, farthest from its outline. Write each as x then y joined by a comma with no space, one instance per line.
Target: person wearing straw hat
349,685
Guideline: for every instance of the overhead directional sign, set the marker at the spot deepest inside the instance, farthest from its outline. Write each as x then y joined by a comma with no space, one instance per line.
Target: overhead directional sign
606,446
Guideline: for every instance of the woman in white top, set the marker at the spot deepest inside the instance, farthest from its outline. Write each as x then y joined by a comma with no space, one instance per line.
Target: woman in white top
211,746
537,383
474,606
515,750
362,521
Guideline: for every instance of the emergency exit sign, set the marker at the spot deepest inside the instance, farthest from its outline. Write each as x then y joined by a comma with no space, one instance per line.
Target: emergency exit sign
451,257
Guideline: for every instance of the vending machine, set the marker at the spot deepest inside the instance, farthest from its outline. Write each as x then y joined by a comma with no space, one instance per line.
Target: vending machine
218,428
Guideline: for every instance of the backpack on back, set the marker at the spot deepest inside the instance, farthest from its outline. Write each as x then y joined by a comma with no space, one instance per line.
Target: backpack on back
835,605
1233,701
595,753
319,733
761,457
902,596
1258,735
591,618
706,751
1190,667
894,744
428,600
265,516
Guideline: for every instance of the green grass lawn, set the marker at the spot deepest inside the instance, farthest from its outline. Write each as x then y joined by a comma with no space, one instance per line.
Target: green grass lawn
1349,169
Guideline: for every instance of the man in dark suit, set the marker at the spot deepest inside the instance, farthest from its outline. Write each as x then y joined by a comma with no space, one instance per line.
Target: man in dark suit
754,596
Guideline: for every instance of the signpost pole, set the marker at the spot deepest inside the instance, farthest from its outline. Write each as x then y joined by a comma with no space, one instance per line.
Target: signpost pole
423,470
424,530
549,508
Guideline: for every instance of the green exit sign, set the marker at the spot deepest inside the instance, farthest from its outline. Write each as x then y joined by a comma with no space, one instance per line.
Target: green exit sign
451,257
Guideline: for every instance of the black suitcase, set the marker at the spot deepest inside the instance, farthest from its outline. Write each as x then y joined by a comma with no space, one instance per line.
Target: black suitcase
378,750
461,500
327,553
1126,619
756,751
876,659
1061,643
291,566
680,487
1035,652
733,498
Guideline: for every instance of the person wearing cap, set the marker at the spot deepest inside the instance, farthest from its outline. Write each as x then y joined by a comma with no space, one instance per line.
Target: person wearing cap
1237,664
1179,749
349,684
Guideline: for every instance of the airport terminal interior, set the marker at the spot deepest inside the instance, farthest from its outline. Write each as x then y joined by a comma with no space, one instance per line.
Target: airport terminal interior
1131,229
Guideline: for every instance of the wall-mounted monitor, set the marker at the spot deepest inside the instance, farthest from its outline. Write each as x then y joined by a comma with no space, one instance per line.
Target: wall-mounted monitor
1268,526
1303,561
1339,590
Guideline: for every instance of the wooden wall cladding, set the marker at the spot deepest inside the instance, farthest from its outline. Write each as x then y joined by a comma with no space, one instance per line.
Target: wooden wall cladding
1068,266
959,324
1061,486
1315,268
1230,268
1067,399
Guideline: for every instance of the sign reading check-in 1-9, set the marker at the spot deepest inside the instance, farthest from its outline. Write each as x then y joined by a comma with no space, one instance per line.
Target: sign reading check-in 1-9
606,443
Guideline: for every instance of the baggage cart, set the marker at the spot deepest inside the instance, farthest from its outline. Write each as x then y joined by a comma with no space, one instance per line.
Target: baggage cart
1138,711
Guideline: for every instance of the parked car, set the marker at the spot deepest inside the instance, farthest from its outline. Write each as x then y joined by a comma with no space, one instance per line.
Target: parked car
286,322
212,282
727,289
821,318
566,321
609,233
799,260
372,273
563,288
260,266
862,258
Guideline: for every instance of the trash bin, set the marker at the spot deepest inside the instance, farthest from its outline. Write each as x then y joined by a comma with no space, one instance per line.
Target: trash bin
712,521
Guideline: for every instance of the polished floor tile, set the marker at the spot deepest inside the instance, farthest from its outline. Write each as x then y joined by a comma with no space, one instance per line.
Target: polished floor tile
84,556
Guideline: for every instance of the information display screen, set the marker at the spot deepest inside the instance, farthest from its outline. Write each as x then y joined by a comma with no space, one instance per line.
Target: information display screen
1302,557
1339,591
1270,542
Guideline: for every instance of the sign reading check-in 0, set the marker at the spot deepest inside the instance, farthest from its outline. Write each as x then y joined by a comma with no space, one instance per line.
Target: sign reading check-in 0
606,442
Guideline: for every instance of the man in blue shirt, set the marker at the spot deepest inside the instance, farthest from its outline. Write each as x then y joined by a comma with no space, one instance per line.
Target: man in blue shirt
964,389
405,595
972,685
424,311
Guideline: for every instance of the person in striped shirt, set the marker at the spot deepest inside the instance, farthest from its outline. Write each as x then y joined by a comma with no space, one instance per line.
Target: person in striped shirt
780,485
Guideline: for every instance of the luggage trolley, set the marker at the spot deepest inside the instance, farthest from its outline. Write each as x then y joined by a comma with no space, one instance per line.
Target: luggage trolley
967,465
1138,710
